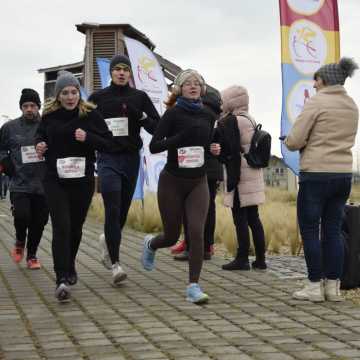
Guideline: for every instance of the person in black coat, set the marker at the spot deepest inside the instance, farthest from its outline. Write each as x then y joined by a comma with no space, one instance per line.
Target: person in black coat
214,172
126,110
69,133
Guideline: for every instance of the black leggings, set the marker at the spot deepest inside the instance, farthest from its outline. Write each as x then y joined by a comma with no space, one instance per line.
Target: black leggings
117,204
245,217
69,204
176,197
31,214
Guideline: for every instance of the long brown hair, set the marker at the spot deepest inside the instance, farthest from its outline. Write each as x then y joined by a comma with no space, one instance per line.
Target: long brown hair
171,100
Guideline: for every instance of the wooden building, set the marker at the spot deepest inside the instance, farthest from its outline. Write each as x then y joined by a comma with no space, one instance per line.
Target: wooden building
103,41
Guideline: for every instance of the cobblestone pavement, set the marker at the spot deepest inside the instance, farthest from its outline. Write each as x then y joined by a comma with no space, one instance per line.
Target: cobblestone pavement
250,314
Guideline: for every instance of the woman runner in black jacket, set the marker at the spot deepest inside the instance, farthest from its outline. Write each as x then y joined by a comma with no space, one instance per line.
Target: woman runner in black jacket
69,133
185,131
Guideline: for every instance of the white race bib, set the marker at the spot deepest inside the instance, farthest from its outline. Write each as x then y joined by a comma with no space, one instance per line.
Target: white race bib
71,167
28,155
191,157
118,126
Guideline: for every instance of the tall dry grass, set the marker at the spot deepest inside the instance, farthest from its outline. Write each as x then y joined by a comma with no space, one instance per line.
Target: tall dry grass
278,215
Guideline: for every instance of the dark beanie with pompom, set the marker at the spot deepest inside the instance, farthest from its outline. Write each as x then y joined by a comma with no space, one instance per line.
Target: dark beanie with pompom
336,74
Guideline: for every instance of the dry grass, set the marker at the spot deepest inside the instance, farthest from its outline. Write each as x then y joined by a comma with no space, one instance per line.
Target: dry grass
278,215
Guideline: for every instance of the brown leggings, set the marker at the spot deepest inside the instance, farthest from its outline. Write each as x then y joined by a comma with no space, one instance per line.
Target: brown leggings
178,197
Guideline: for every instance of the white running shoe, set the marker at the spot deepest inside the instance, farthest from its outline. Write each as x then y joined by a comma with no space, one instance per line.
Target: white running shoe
118,274
104,253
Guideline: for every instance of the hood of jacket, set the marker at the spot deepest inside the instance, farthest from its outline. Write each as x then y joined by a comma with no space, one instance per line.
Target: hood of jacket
235,99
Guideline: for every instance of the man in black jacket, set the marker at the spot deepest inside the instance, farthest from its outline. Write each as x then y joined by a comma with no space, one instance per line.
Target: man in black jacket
17,140
126,110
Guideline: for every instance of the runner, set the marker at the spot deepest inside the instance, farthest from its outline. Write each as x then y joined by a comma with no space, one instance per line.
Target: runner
185,131
214,172
69,133
125,110
17,151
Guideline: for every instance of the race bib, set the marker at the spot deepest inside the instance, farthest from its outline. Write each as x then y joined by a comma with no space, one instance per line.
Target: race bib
118,126
191,157
28,155
71,167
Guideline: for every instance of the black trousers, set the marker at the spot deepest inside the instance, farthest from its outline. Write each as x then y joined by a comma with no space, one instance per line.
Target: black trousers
178,197
117,204
245,217
209,229
69,204
31,214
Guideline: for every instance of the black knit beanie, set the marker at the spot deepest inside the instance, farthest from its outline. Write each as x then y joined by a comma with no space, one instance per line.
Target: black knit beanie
119,59
29,95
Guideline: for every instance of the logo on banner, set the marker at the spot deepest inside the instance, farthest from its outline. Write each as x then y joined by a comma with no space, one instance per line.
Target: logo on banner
146,72
306,7
308,46
302,91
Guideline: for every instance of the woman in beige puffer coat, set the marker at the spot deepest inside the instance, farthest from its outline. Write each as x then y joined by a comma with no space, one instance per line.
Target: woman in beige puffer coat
244,200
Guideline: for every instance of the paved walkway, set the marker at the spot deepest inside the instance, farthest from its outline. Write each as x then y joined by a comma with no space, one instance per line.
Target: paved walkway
250,316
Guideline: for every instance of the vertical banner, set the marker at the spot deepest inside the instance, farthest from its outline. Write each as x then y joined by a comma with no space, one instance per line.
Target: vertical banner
309,39
148,77
104,71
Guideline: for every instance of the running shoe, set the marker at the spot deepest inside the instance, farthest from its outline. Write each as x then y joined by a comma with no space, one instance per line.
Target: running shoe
104,253
179,247
62,292
33,263
17,253
148,255
118,274
195,295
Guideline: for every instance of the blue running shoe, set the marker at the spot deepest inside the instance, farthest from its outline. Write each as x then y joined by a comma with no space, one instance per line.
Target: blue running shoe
195,295
148,255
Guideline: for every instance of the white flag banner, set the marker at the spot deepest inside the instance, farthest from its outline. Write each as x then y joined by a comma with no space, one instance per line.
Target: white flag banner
149,77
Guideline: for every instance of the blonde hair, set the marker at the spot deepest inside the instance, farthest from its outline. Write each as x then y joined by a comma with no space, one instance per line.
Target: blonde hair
53,104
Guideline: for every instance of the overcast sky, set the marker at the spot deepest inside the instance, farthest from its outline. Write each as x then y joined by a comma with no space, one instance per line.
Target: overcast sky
229,42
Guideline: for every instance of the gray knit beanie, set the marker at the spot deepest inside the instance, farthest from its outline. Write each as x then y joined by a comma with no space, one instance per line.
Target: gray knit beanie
119,59
65,78
336,74
183,76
